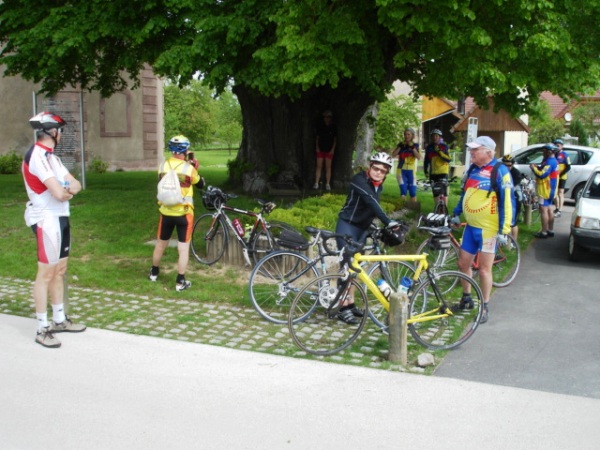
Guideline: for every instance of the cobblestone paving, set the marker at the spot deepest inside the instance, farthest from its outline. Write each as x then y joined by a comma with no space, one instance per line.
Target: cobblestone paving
204,323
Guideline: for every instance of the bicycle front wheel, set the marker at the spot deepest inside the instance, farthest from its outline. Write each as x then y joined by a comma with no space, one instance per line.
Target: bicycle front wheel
265,241
506,263
275,281
209,239
313,321
392,272
436,320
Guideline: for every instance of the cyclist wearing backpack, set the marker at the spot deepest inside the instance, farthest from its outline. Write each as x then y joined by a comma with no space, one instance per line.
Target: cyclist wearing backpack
564,165
487,203
546,179
178,216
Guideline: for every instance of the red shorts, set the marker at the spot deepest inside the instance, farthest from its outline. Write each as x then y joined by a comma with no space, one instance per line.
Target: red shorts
325,155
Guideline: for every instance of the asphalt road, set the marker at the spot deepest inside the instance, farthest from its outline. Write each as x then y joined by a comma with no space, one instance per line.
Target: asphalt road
543,331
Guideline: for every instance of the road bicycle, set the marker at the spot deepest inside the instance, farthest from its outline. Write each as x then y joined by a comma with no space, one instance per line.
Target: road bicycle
435,320
530,199
443,253
212,231
440,190
279,276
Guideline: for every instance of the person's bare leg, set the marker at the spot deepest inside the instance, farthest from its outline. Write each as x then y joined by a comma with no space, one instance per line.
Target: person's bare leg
184,256
159,250
328,171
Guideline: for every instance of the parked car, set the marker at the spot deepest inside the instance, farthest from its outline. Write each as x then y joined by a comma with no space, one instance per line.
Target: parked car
583,161
585,221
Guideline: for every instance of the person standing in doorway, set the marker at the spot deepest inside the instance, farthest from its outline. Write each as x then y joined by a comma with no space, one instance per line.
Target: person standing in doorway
178,217
408,154
49,187
326,143
437,164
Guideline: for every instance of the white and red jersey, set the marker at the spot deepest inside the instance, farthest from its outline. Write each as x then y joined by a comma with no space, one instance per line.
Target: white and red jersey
40,164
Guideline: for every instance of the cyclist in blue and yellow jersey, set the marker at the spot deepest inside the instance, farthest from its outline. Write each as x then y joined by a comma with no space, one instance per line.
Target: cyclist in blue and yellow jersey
178,217
437,162
488,206
546,181
408,155
564,165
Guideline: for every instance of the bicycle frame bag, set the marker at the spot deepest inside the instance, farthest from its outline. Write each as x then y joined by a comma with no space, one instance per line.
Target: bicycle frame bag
292,240
439,243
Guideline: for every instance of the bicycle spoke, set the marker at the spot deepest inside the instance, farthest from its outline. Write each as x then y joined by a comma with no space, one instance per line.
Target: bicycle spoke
394,272
275,281
209,239
313,321
431,324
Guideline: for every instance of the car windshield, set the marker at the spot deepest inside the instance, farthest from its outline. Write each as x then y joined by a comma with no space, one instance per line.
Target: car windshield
593,188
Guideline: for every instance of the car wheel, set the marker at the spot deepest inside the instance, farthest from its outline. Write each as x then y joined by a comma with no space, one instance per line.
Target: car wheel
577,191
575,250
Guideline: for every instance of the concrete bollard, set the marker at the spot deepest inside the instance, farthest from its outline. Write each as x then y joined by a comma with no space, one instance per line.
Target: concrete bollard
397,328
527,211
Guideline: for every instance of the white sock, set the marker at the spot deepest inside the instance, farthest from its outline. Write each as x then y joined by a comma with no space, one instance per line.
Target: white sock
42,320
58,313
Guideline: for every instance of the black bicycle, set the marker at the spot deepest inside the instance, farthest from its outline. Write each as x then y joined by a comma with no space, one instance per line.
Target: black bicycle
213,231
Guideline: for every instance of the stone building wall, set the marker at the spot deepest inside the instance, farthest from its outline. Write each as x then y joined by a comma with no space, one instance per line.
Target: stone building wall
125,130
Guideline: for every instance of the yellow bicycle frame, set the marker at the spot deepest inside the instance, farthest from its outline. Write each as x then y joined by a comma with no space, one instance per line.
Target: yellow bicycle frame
372,287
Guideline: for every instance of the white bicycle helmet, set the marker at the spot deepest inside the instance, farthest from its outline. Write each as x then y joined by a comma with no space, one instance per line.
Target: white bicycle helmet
436,131
382,158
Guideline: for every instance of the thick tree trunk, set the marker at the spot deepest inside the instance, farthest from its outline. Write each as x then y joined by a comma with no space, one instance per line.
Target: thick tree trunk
278,143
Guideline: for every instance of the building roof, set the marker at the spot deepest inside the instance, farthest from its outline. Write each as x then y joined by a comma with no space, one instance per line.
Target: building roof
488,120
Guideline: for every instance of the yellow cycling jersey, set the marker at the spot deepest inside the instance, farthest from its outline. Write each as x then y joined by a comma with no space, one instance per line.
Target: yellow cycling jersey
188,177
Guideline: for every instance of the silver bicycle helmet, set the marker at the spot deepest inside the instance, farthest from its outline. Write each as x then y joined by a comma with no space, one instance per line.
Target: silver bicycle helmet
382,158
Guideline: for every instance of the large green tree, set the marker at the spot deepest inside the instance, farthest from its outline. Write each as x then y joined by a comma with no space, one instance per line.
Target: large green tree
289,60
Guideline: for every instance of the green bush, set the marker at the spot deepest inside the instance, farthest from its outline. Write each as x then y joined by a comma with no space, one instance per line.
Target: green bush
97,165
10,163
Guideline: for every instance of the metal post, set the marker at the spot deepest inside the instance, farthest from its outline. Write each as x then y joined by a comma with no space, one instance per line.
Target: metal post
82,137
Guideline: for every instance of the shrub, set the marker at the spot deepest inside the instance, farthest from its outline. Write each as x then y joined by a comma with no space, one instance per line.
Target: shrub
10,163
97,165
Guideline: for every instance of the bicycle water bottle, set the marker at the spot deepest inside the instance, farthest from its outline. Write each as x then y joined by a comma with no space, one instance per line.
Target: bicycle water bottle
385,288
405,285
239,228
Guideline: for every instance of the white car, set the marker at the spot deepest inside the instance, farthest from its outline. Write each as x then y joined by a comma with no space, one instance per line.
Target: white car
583,161
585,221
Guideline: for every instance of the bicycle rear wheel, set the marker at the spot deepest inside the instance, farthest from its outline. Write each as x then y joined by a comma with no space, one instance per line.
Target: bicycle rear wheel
313,321
430,324
441,208
209,239
275,281
392,272
506,263
266,241
440,259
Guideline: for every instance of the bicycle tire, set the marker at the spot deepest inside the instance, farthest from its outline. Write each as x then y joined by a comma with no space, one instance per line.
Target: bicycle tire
506,263
440,259
265,242
313,321
396,270
209,239
436,330
441,208
275,281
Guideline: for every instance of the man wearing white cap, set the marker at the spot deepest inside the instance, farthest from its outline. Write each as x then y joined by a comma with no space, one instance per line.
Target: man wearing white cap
488,210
